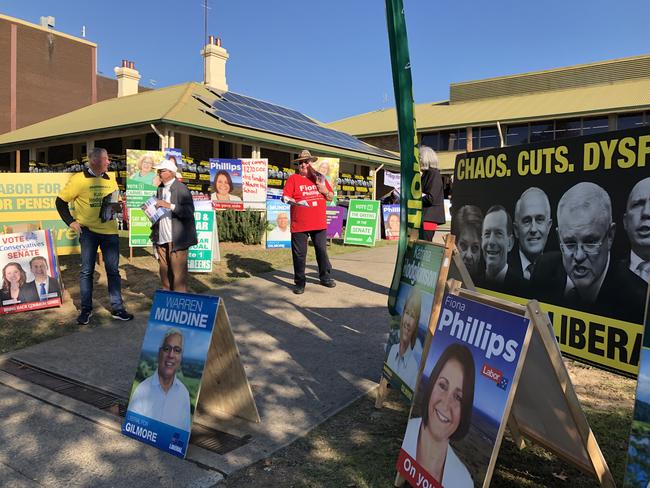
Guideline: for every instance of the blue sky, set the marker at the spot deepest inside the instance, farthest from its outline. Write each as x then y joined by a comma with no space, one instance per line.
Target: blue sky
330,59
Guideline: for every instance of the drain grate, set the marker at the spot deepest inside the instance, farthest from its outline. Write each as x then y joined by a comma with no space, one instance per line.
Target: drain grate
204,437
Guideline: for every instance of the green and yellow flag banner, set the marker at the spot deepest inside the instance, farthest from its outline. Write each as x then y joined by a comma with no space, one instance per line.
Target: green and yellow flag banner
411,196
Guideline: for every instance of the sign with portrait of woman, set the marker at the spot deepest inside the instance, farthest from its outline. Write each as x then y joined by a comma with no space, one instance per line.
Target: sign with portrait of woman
464,395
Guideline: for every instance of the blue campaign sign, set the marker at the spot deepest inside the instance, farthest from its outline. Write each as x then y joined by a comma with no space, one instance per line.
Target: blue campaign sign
168,378
278,226
464,393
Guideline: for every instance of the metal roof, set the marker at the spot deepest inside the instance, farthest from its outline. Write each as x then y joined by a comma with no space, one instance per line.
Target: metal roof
588,100
179,105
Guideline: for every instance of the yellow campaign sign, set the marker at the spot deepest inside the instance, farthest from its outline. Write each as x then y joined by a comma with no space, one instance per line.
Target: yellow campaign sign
28,198
603,341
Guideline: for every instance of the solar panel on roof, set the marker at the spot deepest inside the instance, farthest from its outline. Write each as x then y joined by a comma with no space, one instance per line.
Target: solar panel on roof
244,111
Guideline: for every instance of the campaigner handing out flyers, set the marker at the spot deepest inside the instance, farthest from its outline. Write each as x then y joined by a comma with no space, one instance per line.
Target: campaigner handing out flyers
308,219
446,408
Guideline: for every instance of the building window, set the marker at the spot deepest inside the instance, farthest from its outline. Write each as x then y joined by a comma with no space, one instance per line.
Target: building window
630,121
431,139
453,140
594,125
246,151
542,131
516,134
485,138
567,128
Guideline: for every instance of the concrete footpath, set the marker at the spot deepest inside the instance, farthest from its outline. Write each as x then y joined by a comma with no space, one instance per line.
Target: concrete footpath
306,357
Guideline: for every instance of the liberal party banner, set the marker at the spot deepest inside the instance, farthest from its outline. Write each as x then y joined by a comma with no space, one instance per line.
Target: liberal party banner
334,217
167,382
391,221
329,168
361,226
29,198
278,226
464,395
226,184
566,222
413,306
30,273
199,256
637,474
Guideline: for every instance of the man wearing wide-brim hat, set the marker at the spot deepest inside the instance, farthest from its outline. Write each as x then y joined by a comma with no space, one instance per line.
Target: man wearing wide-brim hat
308,193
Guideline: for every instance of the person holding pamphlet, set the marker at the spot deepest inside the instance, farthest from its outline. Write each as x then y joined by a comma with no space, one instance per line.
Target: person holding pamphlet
95,195
175,232
308,193
446,408
401,357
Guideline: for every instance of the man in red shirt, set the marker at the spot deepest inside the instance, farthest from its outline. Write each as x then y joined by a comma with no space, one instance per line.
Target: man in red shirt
307,192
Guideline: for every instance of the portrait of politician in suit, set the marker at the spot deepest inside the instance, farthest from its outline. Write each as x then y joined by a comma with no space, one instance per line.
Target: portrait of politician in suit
587,279
497,240
531,226
43,286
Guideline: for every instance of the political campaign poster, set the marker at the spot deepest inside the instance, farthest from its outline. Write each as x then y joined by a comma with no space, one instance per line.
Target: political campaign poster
139,228
142,179
361,226
277,176
167,381
175,156
464,395
565,222
392,179
254,183
278,227
31,278
334,217
637,473
329,168
226,184
29,198
391,221
408,327
199,256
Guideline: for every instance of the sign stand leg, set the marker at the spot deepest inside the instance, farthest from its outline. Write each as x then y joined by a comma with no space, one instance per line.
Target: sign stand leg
399,481
381,392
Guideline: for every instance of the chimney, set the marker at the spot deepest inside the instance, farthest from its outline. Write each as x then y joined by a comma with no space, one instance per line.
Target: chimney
214,59
127,78
47,22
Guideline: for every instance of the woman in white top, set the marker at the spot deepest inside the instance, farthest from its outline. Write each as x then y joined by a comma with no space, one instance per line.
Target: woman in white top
401,356
446,408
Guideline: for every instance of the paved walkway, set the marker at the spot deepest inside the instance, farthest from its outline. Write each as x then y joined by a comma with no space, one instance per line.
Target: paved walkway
306,358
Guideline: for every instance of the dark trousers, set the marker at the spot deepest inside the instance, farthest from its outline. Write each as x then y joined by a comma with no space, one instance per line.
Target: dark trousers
299,254
173,268
110,246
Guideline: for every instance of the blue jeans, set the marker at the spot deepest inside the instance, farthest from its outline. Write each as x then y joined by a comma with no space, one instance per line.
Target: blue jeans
110,246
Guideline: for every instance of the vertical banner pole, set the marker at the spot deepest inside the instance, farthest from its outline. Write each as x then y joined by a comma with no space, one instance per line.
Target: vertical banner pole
411,186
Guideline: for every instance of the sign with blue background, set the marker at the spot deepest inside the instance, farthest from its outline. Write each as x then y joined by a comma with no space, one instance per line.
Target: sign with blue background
168,378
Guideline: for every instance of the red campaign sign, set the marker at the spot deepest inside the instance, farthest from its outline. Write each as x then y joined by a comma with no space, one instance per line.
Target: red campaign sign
491,373
23,307
414,473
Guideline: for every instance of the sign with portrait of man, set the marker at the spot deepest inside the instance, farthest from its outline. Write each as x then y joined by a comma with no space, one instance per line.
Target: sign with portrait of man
167,383
566,222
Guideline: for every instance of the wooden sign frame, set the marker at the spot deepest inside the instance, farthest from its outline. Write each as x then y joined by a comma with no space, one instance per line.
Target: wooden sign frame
544,407
225,390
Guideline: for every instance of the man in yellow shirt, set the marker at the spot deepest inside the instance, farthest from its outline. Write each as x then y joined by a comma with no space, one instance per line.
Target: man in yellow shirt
92,191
